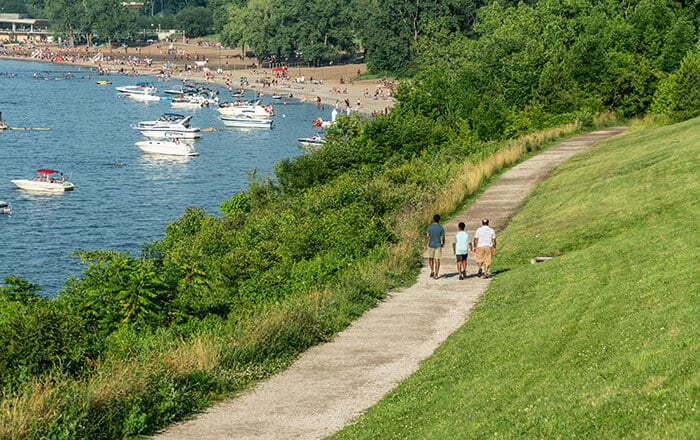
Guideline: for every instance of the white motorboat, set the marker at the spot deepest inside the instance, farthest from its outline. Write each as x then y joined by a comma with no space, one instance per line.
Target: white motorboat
212,96
142,88
47,180
312,141
174,147
143,97
181,89
245,121
255,110
189,100
5,207
169,125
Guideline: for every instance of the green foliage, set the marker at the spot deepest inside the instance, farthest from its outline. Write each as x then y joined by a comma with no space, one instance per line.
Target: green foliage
678,95
15,295
196,21
41,338
117,289
237,204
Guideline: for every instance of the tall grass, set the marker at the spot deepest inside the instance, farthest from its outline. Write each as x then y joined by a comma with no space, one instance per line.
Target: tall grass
600,342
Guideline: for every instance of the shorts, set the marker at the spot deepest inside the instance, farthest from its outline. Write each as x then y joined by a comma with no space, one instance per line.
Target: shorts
461,257
483,254
435,253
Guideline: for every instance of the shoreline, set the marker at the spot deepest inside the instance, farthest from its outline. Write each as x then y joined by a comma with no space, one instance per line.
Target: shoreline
331,85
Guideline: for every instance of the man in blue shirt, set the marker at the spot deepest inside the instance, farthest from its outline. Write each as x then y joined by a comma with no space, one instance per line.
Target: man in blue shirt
434,241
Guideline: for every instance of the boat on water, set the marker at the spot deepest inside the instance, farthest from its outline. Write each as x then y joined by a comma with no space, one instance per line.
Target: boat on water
5,207
142,88
47,180
169,125
189,100
312,141
211,95
143,97
245,122
181,89
103,82
169,147
247,109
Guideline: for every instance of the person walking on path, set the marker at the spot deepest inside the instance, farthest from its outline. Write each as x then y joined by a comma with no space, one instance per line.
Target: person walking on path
434,241
461,248
485,245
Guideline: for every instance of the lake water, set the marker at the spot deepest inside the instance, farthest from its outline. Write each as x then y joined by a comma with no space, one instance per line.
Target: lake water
114,207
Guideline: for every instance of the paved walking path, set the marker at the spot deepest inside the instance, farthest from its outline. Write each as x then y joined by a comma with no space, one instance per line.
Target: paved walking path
334,382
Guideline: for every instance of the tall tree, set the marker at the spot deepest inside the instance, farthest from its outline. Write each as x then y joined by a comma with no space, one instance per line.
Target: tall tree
66,18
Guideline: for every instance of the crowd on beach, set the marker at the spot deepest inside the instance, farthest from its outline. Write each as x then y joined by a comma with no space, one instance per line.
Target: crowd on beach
185,62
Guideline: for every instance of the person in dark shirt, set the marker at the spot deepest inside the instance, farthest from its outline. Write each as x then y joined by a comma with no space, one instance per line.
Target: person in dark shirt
434,242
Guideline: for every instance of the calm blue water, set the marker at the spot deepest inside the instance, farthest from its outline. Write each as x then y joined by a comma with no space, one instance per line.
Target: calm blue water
114,207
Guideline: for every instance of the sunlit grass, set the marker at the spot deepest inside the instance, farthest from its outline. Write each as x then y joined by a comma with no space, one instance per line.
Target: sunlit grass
600,342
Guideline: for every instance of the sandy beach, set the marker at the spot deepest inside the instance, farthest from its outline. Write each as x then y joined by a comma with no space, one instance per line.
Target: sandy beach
203,62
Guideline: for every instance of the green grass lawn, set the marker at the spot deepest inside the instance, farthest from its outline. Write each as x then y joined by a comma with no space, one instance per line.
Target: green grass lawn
601,342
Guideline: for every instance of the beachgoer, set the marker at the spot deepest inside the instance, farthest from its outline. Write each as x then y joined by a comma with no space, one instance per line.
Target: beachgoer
485,245
434,241
461,248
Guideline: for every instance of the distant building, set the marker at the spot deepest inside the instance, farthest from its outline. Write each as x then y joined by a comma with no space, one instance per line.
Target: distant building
19,28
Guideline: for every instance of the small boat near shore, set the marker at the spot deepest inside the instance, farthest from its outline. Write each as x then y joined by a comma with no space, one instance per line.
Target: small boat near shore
142,88
245,122
180,89
5,207
142,97
248,109
169,125
189,100
47,180
312,141
173,147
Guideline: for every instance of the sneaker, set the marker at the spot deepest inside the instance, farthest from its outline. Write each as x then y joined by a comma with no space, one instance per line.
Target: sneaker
432,274
487,275
481,272
461,277
464,274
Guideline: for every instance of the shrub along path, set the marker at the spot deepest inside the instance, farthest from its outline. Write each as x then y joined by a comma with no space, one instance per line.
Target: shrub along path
334,382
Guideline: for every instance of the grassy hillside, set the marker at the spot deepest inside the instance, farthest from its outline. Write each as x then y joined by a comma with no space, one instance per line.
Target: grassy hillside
601,342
